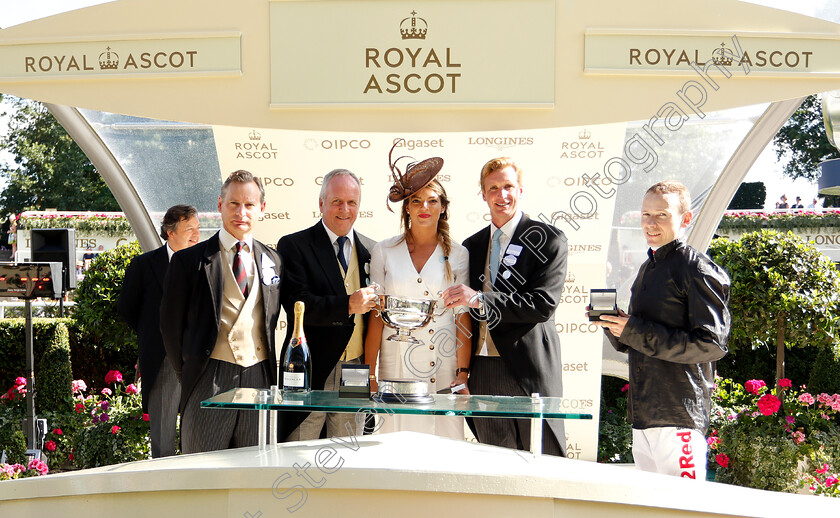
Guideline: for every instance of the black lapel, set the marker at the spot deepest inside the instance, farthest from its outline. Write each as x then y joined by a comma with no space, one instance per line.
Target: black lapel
160,263
324,252
212,264
363,254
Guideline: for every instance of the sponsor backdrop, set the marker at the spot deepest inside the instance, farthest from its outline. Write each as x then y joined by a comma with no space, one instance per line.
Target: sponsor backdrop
291,165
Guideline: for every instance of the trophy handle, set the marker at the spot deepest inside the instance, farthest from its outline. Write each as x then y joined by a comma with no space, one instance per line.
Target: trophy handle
445,309
377,289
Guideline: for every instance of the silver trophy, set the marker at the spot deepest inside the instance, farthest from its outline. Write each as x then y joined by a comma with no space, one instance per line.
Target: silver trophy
405,314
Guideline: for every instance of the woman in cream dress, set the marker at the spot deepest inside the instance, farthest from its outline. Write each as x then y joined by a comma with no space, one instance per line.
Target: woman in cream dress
420,263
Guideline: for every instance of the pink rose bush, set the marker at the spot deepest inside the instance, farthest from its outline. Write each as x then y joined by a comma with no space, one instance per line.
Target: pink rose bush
100,427
759,435
33,468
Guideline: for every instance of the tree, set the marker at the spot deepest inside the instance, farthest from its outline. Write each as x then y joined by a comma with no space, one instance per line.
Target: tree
750,195
803,143
49,171
784,293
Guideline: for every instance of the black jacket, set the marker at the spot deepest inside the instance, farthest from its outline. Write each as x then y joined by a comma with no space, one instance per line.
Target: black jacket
139,306
678,328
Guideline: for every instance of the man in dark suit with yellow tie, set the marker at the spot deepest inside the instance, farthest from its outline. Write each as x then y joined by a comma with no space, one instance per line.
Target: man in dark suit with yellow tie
517,271
327,267
219,313
139,306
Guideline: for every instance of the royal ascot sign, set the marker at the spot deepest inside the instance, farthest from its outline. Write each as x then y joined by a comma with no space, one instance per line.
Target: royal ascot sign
668,53
489,54
158,55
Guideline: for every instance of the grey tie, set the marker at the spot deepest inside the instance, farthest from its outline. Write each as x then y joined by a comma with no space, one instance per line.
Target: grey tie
495,250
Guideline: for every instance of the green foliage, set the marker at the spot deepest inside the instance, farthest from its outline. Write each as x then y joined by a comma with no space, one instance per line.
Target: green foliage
13,442
760,363
50,170
750,195
825,375
54,374
803,143
760,437
752,221
96,301
111,427
779,280
91,224
46,336
615,435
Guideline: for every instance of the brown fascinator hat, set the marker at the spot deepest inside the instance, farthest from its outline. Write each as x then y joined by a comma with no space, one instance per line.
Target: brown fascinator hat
417,175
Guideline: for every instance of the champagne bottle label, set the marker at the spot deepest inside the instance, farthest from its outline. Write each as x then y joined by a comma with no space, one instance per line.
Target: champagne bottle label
293,379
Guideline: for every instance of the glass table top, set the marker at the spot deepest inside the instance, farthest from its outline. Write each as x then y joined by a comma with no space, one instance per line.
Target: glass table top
443,404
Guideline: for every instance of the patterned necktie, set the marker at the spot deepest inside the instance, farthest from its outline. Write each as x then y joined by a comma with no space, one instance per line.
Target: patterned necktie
239,269
495,249
341,240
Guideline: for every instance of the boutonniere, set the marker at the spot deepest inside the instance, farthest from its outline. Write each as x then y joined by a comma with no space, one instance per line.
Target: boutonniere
269,276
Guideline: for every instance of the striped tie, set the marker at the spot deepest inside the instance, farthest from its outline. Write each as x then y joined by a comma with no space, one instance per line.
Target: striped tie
239,270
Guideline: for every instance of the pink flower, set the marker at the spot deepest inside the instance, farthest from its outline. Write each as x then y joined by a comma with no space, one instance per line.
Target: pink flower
626,387
790,419
131,389
49,445
768,404
115,429
823,470
38,466
712,441
830,481
107,392
785,383
79,408
20,381
145,417
753,386
79,386
57,431
806,399
113,377
798,437
722,459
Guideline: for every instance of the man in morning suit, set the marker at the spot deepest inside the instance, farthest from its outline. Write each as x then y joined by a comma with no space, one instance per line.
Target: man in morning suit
139,306
221,301
327,267
517,271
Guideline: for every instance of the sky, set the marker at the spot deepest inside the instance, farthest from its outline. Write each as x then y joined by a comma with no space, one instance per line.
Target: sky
766,169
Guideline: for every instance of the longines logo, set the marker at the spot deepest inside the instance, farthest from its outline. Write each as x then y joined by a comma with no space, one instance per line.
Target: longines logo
414,61
109,59
722,56
577,249
500,143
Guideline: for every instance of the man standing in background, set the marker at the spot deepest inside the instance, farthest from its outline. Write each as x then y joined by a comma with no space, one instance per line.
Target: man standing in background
139,306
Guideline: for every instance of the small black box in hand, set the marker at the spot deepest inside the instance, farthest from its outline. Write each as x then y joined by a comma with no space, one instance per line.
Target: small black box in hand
602,302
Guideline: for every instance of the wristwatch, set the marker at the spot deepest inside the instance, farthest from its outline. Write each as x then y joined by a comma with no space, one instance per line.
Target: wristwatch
459,370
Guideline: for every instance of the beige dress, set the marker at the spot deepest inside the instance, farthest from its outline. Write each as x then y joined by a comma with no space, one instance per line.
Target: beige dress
435,360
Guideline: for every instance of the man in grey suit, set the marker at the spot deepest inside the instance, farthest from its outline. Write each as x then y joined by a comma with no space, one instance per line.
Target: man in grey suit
139,306
221,302
517,271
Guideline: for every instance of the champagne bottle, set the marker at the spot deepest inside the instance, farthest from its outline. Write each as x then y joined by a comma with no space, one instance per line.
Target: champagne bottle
297,362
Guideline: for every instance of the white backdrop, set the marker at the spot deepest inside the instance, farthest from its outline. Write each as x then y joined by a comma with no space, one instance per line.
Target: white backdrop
291,165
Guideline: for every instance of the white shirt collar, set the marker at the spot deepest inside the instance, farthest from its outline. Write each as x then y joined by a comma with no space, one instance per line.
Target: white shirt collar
334,236
169,251
508,228
228,241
